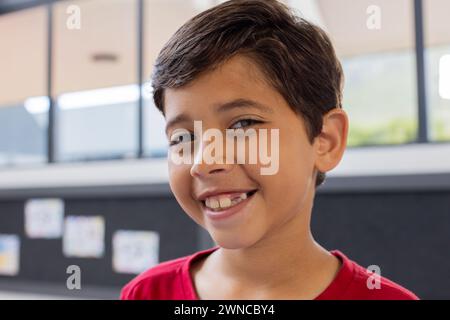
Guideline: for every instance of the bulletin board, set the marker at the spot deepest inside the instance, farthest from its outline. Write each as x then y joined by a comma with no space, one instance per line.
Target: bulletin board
42,260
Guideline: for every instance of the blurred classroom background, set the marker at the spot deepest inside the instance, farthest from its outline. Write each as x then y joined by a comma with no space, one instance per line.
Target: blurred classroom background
83,179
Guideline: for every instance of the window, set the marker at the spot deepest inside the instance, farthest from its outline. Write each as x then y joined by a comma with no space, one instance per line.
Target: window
95,80
376,47
437,39
162,18
23,105
95,74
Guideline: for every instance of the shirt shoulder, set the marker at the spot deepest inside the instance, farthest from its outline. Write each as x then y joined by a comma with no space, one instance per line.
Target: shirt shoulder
366,285
169,280
370,286
158,282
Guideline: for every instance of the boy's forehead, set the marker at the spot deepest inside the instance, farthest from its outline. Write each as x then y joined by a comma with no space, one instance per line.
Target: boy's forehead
237,77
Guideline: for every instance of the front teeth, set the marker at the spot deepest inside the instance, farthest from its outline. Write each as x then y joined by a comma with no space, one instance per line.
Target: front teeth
224,201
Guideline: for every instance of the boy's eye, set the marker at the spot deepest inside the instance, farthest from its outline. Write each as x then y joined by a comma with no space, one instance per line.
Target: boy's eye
245,123
182,137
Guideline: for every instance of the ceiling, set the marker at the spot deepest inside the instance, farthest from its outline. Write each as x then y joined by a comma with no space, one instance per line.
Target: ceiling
23,55
346,22
106,27
8,6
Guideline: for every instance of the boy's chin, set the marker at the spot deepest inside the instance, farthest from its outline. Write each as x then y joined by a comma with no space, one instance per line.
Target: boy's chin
232,241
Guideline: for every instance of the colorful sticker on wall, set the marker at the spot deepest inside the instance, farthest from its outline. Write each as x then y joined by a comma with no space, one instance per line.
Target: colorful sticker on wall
44,218
84,236
9,254
135,251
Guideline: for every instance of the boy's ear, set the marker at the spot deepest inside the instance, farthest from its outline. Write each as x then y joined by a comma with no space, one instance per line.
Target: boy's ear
330,144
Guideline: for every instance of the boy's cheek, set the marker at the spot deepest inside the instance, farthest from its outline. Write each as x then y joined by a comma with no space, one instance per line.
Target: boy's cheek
189,205
180,183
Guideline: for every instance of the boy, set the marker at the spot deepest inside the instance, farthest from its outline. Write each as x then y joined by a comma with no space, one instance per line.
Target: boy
253,66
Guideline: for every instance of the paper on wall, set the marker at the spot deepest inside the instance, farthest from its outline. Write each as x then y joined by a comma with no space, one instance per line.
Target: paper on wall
135,251
84,236
9,254
44,218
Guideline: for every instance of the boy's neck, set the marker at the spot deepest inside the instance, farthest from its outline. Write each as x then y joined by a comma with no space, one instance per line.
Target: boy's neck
298,265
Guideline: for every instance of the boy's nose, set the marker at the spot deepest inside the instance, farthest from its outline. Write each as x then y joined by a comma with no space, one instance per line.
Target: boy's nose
203,167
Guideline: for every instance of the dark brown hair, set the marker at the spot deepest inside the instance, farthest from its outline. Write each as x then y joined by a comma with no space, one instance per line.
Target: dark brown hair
297,57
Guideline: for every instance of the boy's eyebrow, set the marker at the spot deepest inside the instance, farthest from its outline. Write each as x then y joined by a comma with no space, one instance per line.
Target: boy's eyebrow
222,107
242,103
177,119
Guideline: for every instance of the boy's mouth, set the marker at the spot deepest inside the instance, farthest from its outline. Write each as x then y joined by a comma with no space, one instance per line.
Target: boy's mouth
225,201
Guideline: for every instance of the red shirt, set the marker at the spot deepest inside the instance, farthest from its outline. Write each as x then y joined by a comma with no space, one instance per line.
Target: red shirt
171,280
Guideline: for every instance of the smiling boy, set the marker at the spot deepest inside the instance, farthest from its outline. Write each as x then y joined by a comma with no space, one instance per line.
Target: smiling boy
254,65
